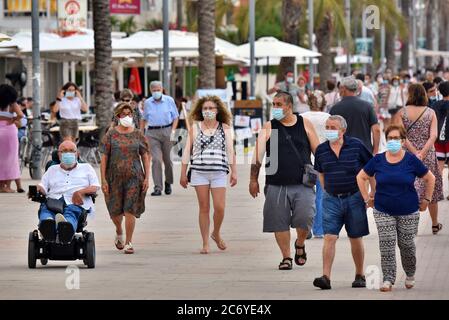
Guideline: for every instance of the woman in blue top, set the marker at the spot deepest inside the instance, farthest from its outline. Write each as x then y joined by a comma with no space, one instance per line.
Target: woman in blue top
396,204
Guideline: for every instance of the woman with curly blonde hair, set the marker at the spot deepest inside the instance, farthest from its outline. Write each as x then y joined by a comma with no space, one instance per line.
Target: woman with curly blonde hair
211,153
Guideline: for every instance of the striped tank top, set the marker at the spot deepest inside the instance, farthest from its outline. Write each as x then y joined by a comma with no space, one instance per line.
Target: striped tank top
209,152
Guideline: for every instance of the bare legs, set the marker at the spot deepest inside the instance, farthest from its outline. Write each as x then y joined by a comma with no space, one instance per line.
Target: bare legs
219,199
357,249
130,223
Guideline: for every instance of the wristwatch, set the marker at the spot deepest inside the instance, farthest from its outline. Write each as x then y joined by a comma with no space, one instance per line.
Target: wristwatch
58,99
426,200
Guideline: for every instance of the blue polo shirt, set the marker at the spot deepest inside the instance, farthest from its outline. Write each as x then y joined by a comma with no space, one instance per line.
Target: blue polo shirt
160,113
395,183
340,173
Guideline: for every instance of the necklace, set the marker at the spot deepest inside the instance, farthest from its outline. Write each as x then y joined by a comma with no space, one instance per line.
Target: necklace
210,130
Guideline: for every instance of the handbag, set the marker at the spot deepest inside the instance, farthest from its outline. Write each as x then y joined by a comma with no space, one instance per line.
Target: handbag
310,175
55,205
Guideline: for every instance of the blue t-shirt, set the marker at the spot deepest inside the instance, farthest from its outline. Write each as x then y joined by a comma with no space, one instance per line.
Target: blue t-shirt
395,190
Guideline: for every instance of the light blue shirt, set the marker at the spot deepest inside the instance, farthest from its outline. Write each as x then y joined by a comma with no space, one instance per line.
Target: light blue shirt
160,113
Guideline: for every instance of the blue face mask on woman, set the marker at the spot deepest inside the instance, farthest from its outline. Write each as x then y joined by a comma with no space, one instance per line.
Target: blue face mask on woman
278,113
68,159
394,146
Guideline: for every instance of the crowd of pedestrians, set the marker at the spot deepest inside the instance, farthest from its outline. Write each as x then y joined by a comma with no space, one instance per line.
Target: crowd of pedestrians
324,166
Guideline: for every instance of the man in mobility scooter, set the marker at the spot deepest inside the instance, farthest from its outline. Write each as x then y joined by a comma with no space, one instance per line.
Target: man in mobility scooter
65,193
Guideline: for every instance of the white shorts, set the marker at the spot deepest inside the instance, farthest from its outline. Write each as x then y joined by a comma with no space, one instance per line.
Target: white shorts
216,179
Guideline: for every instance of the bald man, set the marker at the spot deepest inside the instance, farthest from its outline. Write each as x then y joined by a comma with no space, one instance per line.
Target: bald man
69,182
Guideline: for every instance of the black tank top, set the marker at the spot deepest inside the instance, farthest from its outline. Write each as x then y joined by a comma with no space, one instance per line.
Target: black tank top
289,170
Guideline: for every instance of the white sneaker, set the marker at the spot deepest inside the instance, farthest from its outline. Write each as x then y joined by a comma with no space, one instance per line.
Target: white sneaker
409,282
386,286
59,218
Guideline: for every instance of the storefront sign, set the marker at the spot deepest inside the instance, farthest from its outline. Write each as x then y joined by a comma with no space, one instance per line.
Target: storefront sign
125,6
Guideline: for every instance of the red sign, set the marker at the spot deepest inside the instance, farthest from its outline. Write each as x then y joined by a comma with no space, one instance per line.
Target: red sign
124,6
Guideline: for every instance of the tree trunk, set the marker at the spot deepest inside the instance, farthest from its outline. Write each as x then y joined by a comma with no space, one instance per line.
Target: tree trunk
323,42
444,26
291,15
389,50
179,14
405,55
103,64
206,38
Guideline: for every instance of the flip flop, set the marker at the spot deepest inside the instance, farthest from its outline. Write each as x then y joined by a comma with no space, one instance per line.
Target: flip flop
220,244
119,242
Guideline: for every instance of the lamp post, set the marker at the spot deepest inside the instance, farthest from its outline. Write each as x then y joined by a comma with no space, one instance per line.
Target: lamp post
348,43
311,13
252,36
165,42
36,133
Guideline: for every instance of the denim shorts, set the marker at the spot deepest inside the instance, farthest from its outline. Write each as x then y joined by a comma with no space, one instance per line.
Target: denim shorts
349,212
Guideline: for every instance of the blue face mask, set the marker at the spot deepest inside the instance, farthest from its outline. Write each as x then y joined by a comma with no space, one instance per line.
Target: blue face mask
70,94
331,135
157,95
278,113
68,159
394,146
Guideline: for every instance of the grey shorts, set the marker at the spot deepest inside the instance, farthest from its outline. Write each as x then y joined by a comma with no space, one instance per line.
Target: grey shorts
288,206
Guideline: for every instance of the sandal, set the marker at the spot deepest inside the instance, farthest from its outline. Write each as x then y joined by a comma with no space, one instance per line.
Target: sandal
129,248
220,244
437,228
300,256
119,241
286,264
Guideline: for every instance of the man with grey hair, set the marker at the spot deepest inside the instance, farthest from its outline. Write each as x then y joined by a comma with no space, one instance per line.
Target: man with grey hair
338,161
161,119
359,115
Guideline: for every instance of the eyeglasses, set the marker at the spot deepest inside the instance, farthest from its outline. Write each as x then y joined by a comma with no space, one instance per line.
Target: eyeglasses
394,138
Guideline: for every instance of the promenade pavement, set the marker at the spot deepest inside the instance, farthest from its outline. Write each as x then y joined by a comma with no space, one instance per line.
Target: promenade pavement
167,263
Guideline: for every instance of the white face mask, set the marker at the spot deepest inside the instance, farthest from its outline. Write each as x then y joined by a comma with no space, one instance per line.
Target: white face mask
127,121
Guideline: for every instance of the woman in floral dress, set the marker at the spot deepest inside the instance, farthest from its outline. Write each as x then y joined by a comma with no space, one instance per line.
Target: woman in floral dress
124,181
420,122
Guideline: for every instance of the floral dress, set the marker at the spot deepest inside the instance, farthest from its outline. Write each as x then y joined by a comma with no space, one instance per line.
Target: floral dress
124,171
418,136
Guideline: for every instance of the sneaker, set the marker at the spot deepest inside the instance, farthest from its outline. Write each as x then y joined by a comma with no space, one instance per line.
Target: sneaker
359,282
322,282
129,248
156,193
47,228
167,188
409,282
387,286
65,231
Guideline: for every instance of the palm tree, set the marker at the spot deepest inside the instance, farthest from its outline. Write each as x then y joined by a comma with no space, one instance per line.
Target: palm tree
329,20
405,55
432,7
291,18
103,63
206,39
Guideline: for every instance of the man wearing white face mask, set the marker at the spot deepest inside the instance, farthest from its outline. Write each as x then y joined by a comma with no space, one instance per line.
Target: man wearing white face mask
71,182
338,161
161,119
